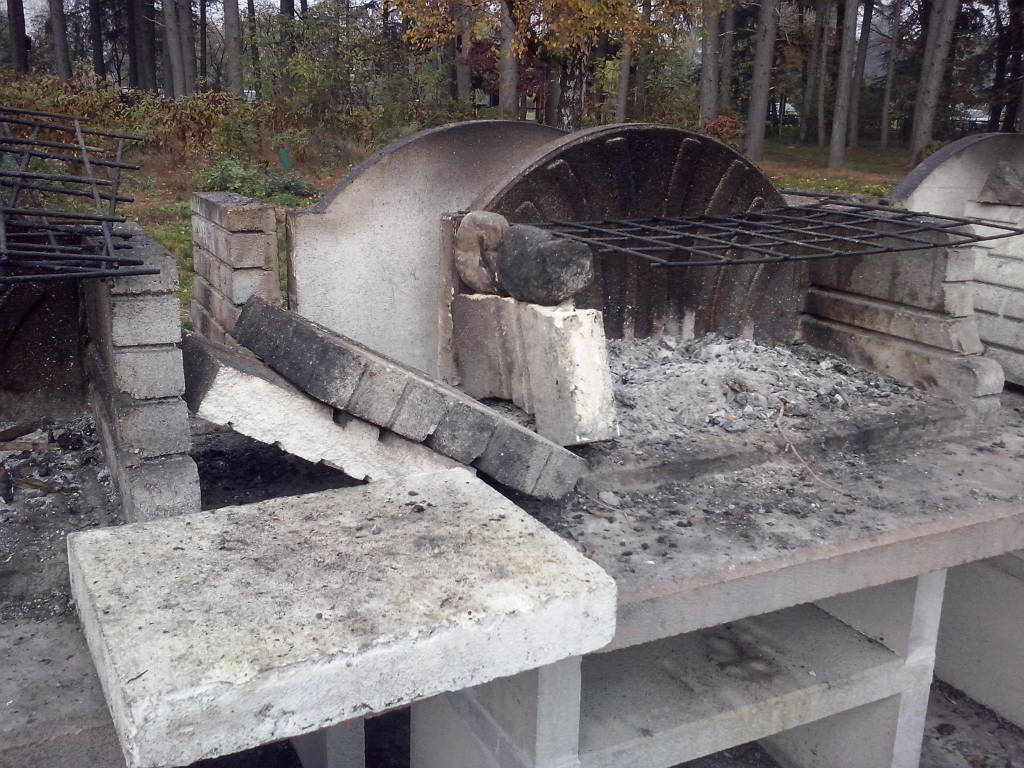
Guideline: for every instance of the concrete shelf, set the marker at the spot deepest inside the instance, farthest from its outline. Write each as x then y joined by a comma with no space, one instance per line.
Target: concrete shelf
684,697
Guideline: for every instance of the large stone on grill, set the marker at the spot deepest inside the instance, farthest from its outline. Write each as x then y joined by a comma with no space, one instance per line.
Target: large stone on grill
373,387
537,267
219,631
233,388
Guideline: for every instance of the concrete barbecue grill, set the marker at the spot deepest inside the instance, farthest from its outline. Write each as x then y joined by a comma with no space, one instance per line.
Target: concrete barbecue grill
608,509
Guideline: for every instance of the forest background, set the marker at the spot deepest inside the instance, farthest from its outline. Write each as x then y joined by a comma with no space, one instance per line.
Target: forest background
278,101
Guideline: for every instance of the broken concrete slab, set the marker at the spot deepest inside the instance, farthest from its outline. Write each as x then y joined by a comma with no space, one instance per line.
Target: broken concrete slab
957,334
231,388
550,361
956,376
379,227
346,375
395,591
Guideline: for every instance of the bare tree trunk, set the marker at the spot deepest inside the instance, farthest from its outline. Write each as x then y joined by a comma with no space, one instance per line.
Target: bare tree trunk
890,69
464,46
1016,65
233,46
761,79
203,52
853,127
844,85
508,68
133,18
254,49
59,29
19,43
96,38
175,79
709,64
553,100
574,88
940,35
145,42
822,136
643,67
725,46
622,93
186,36
814,69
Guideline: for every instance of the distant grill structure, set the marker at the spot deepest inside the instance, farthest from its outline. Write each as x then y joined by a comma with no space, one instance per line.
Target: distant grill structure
59,190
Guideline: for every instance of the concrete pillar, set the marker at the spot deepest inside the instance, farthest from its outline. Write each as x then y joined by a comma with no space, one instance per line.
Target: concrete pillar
904,616
340,746
527,721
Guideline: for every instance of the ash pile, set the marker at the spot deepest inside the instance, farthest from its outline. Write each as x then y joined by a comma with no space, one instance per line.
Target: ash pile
667,387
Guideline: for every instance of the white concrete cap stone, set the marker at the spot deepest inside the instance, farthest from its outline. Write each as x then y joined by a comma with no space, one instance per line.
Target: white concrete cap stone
217,631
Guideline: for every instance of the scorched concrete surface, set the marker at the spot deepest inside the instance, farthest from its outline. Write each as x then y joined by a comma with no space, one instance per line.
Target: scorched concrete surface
218,631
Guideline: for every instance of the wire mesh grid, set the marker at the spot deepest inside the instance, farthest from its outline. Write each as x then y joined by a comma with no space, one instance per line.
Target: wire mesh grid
823,229
59,190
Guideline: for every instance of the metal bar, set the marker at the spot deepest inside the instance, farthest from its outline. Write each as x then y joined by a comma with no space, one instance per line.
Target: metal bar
78,275
69,129
54,177
75,192
64,214
41,143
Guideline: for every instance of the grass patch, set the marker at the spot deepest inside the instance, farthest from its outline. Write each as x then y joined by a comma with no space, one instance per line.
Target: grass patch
867,170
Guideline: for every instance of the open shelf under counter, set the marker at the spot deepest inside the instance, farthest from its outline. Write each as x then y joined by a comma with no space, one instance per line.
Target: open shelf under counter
657,704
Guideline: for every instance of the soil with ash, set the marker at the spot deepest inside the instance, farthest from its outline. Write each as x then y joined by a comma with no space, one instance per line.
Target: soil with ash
60,486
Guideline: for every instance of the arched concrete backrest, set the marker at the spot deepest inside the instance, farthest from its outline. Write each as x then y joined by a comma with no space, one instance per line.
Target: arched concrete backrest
634,171
365,261
945,181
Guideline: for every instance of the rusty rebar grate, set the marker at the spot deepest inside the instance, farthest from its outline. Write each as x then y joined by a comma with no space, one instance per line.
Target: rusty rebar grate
825,229
59,190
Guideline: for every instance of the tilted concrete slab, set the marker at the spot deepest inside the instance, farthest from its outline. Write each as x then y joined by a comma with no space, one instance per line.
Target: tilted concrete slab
366,261
347,375
218,631
232,388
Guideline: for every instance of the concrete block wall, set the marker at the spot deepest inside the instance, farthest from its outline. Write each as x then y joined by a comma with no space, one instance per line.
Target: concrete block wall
133,362
999,289
909,315
234,249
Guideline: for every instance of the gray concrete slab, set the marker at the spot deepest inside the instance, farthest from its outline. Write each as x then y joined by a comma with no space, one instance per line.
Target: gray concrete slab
218,631
366,261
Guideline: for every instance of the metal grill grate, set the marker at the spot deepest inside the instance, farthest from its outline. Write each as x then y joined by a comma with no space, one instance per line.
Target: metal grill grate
825,229
58,199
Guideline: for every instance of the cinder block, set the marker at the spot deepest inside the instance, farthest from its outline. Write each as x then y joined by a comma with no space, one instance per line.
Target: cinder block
216,303
235,389
334,369
236,284
141,320
356,600
1001,270
234,212
550,361
463,433
1004,331
236,249
932,279
152,255
161,487
957,334
956,376
148,372
999,300
150,428
566,358
205,325
1011,360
